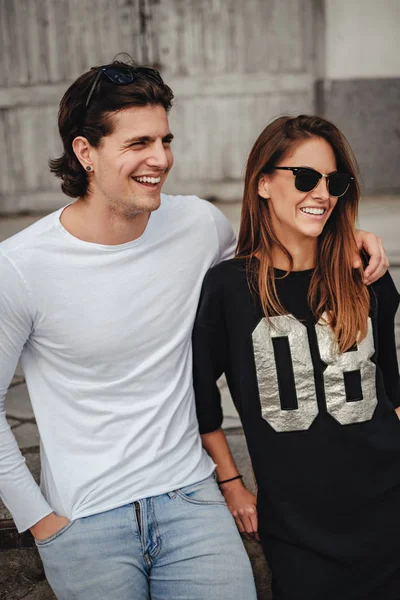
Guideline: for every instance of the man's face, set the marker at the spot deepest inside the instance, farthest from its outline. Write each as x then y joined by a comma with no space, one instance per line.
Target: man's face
132,163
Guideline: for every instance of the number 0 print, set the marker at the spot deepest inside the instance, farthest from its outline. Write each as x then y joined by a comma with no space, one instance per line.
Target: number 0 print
265,333
286,380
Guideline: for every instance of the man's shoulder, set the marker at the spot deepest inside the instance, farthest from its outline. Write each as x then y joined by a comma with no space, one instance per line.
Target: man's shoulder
188,204
30,236
202,214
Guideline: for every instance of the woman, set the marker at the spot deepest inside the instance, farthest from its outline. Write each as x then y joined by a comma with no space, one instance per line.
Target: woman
310,359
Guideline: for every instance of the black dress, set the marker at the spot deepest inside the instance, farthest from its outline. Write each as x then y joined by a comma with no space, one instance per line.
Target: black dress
321,429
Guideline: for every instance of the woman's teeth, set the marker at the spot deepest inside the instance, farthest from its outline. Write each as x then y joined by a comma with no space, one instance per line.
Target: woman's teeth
148,179
313,211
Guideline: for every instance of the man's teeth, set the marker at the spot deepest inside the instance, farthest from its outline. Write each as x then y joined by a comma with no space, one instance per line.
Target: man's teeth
148,179
313,211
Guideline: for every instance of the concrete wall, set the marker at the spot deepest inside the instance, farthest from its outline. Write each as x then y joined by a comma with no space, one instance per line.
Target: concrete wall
233,66
362,39
360,90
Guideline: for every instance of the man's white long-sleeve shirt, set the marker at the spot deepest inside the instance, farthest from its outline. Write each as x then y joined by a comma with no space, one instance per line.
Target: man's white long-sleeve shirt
104,337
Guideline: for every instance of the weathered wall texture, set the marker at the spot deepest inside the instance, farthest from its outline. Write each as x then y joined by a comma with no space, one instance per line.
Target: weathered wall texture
233,66
360,90
368,112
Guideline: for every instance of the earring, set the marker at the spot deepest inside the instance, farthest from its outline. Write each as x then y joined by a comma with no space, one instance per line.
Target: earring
88,168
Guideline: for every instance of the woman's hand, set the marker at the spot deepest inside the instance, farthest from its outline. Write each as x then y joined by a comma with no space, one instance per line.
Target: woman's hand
242,504
378,263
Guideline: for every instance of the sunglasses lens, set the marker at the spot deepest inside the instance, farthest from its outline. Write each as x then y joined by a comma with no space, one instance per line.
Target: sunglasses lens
338,184
119,75
306,180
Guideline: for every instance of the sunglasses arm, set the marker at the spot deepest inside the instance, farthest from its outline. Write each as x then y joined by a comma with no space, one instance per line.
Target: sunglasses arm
94,85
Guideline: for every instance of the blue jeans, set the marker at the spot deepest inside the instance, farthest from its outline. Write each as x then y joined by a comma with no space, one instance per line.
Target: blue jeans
183,545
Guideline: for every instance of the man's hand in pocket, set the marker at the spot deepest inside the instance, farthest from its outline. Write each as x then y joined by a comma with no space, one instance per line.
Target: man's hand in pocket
48,526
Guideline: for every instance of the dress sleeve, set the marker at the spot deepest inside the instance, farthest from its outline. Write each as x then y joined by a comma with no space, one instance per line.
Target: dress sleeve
209,352
18,489
387,304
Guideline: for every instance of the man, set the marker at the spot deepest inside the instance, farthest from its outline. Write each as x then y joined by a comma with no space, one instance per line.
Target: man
98,300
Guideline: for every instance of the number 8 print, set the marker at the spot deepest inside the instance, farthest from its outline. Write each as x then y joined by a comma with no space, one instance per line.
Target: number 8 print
284,340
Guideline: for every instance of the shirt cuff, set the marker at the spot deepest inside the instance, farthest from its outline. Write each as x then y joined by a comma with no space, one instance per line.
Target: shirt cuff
27,506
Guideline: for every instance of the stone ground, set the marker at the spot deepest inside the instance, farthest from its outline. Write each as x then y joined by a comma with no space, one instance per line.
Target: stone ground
21,573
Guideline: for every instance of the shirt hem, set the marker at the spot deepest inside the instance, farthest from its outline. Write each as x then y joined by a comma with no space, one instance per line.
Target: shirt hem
157,492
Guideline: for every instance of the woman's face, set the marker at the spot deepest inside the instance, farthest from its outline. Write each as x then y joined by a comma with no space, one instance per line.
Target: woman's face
300,214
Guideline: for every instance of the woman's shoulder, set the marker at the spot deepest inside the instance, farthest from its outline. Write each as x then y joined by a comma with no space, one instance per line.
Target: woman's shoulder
386,293
226,278
227,271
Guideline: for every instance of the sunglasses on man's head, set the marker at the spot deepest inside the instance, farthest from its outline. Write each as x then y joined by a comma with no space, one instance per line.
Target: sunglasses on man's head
307,179
122,75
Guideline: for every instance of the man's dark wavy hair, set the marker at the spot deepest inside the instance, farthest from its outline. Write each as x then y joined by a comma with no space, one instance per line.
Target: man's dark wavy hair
96,121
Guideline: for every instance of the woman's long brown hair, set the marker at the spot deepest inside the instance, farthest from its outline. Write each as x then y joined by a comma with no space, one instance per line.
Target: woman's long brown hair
336,287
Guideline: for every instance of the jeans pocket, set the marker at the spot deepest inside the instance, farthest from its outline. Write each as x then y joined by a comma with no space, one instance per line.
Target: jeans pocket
56,535
203,492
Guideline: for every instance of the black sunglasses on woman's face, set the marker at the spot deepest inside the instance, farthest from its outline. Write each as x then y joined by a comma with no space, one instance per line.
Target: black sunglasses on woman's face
307,179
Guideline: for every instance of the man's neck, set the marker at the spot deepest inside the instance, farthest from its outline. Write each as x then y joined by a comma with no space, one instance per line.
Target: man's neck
87,221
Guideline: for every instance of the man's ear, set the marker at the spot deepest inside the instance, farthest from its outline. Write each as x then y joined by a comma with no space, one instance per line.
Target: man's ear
82,150
263,187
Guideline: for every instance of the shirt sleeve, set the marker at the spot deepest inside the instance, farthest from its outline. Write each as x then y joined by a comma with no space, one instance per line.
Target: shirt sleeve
18,489
387,298
225,235
209,354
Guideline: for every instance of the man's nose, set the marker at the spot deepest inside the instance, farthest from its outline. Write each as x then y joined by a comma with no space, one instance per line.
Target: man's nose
158,156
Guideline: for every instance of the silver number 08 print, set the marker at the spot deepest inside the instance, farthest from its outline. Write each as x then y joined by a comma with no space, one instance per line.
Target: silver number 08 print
339,367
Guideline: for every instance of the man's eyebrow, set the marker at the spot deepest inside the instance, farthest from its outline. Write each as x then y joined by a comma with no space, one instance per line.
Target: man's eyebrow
147,138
